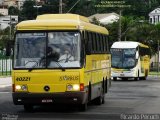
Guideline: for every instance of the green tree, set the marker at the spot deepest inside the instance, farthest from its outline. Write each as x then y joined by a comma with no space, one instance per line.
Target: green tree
4,37
155,37
28,12
13,11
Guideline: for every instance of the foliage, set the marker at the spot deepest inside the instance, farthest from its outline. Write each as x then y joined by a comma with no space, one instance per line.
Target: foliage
28,12
4,37
13,10
134,21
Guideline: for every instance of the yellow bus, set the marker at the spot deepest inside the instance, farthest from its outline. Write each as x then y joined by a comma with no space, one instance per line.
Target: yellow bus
130,60
60,58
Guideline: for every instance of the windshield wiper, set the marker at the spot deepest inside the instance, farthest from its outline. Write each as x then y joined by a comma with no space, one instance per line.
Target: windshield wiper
60,66
115,66
30,69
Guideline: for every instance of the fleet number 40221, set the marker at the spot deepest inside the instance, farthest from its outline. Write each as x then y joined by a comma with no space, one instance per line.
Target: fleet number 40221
23,78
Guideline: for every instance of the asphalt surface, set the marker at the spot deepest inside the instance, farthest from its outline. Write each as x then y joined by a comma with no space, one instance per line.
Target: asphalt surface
126,100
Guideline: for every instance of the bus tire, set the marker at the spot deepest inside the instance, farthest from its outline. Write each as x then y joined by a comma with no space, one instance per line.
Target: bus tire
103,91
137,78
28,108
110,83
106,85
89,92
83,107
124,79
142,78
101,99
114,78
146,74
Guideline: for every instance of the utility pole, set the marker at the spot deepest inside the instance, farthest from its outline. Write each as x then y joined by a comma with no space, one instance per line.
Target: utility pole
60,6
10,28
158,58
119,27
73,6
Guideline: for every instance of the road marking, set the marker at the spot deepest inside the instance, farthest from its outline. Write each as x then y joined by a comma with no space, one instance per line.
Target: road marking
5,92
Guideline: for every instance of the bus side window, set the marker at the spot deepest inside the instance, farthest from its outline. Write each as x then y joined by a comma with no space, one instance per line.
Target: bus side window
101,42
107,46
91,41
88,43
104,43
94,43
98,42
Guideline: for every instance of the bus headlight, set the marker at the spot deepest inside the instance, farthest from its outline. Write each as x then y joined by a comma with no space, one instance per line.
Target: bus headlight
18,87
76,87
69,87
24,87
73,87
21,87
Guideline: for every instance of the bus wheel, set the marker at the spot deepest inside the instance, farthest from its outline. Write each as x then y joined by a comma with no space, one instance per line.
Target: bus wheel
83,107
136,78
28,108
101,99
142,78
124,79
114,78
146,74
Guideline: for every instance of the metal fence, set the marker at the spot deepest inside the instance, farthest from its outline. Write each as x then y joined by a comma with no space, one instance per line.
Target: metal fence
5,66
154,67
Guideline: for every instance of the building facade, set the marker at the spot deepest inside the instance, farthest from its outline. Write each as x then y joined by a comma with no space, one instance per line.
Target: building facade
106,18
154,16
3,10
6,21
1,1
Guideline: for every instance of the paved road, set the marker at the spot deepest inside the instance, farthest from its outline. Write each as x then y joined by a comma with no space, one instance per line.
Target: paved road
126,100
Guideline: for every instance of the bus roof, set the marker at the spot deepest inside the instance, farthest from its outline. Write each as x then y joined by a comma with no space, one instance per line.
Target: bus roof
127,44
60,22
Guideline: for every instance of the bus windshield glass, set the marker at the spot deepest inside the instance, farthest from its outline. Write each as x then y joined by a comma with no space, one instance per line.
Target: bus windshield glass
123,58
47,50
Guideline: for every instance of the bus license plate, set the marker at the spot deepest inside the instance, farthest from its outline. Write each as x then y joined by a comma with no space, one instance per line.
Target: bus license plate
47,101
122,75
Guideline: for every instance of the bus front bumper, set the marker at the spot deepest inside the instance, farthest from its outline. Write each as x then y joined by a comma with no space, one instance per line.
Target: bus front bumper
49,98
123,74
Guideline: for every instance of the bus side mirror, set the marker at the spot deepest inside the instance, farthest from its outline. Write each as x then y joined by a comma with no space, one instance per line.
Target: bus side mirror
88,48
137,55
9,48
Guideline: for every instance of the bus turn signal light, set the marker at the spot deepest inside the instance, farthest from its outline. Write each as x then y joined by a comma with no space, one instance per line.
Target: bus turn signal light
81,87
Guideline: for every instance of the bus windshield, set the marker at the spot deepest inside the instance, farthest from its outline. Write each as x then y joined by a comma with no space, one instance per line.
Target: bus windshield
123,58
47,50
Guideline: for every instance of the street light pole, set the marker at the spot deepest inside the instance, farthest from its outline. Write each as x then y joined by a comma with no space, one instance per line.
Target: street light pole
10,28
60,6
119,28
158,58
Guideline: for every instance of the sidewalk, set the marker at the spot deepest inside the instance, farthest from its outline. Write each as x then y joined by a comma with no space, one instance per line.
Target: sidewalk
5,81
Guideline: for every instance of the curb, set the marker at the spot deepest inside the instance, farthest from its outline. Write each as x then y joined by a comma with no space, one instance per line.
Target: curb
3,86
5,82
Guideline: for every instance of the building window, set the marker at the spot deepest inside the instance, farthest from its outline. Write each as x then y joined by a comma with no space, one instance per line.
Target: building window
154,19
150,20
